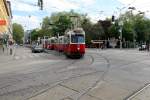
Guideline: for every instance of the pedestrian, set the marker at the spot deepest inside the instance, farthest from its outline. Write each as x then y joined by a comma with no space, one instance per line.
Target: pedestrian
11,46
3,48
107,44
147,45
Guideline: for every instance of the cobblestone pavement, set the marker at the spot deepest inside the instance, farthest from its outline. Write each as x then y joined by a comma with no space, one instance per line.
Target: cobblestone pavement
101,75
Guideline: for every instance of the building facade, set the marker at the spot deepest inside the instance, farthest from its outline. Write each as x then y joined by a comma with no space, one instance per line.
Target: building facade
5,20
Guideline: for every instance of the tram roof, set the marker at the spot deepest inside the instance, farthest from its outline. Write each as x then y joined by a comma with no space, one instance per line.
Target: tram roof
61,36
52,38
76,31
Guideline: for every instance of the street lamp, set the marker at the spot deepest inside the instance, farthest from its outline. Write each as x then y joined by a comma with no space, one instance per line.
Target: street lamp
120,24
120,30
75,21
132,8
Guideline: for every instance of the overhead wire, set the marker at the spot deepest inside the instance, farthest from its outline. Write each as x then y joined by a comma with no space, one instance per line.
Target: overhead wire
22,1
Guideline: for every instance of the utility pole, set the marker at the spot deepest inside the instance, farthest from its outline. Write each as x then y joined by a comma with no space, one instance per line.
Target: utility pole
120,24
131,9
75,21
101,12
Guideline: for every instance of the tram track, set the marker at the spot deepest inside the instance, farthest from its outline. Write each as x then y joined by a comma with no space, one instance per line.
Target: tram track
99,80
102,78
59,82
49,86
40,70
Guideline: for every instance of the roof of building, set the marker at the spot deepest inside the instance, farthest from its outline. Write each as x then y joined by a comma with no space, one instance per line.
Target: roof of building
8,7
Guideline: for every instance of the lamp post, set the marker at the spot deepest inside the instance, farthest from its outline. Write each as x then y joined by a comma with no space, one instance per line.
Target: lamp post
120,24
75,21
120,30
132,8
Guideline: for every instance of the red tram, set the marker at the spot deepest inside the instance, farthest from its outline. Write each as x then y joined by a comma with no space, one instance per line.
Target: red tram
72,43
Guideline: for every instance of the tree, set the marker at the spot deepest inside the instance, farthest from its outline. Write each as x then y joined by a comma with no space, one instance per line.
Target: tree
56,23
61,25
135,26
114,30
34,35
87,27
59,22
18,32
106,24
46,29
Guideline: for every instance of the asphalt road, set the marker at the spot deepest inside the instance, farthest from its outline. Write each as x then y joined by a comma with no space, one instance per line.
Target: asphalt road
100,75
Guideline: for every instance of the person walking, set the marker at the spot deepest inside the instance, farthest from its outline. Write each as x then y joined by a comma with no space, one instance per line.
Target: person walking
11,47
147,45
3,48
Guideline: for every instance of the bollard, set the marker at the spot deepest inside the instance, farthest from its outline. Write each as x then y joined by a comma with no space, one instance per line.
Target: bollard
10,51
3,49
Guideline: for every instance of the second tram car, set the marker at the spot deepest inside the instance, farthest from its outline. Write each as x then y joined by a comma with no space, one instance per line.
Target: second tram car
61,44
51,43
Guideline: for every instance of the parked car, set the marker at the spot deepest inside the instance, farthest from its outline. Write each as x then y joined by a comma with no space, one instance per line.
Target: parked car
142,47
37,48
21,44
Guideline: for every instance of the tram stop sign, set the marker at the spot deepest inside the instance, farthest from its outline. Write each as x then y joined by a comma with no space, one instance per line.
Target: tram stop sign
2,22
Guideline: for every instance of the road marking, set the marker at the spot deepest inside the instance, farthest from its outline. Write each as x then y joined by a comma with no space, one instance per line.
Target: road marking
138,93
17,57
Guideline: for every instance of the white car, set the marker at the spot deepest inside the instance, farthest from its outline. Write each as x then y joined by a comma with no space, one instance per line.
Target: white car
37,48
142,47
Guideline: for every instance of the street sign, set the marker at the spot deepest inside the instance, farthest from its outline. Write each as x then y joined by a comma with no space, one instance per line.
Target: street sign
2,22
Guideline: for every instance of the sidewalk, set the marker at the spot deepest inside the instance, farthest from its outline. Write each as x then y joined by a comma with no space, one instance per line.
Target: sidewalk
5,56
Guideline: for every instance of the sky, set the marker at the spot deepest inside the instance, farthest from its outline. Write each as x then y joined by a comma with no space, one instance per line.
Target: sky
26,12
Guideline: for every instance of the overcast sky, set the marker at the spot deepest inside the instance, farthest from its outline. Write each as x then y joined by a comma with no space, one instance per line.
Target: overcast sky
22,9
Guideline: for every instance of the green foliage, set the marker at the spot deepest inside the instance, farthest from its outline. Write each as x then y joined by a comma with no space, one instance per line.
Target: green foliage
59,22
18,33
134,27
87,26
61,25
34,35
113,30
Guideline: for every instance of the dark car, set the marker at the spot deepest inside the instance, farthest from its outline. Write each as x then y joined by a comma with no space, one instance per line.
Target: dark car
37,48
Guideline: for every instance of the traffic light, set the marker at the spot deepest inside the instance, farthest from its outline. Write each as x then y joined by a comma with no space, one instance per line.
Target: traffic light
113,18
40,4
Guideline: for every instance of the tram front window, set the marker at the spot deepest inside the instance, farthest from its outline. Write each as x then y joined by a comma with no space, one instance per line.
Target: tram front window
77,39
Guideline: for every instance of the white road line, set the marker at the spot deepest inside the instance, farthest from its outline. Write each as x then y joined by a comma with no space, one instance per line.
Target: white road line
17,57
134,95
